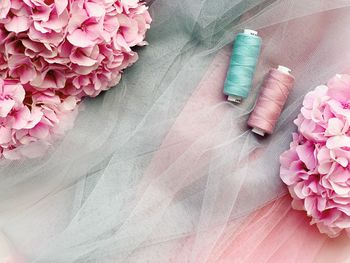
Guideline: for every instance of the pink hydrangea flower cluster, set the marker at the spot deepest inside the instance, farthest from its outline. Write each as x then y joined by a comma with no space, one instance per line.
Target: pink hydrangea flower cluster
30,120
316,167
53,53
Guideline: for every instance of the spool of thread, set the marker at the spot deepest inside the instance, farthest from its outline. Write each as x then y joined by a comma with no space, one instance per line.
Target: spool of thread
245,55
274,93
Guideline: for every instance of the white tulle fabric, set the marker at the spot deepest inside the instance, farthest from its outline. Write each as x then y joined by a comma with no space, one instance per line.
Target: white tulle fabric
161,168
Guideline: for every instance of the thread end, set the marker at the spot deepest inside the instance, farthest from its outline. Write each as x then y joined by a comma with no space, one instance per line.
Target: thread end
284,69
258,131
235,99
250,32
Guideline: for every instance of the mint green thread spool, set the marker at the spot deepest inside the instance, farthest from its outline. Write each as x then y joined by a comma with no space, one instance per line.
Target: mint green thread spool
245,55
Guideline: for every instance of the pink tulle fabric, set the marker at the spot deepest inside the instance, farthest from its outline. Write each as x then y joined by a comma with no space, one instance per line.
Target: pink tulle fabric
53,54
315,168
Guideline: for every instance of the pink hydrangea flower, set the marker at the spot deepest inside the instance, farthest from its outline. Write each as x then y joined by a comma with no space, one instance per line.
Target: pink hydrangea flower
316,167
68,44
5,8
53,53
31,120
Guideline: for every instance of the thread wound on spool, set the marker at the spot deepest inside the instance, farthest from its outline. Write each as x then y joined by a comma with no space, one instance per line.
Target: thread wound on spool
244,58
274,93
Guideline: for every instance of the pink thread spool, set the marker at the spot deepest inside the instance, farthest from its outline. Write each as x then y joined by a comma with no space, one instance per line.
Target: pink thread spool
275,90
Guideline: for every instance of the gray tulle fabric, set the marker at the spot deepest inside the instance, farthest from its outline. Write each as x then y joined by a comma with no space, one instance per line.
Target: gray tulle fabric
115,189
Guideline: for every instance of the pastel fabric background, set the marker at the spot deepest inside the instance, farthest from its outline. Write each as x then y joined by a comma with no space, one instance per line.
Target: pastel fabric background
162,168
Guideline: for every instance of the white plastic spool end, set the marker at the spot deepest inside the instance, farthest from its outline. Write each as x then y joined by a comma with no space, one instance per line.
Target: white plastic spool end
250,32
284,69
258,131
235,99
